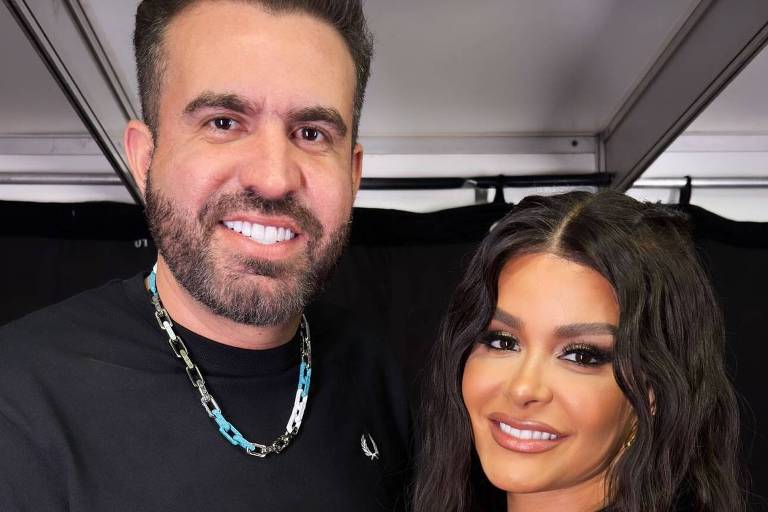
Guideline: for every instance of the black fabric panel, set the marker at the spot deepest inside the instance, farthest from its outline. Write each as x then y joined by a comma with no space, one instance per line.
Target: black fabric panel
397,275
402,293
736,256
50,251
468,224
76,221
749,235
42,271
401,269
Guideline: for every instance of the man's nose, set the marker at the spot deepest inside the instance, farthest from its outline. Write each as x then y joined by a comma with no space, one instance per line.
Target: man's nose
528,384
268,166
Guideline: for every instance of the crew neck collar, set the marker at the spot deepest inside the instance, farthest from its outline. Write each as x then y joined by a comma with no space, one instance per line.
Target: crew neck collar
214,358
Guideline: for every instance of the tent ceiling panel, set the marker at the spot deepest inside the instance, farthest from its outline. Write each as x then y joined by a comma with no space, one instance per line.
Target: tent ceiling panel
455,67
730,137
742,108
64,38
459,87
112,22
465,72
30,100
443,67
698,66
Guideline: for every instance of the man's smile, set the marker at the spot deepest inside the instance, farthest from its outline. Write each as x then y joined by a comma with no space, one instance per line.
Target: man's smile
261,233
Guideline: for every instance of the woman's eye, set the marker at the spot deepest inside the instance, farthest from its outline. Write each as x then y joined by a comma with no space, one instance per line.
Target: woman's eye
310,134
223,123
583,358
500,341
586,355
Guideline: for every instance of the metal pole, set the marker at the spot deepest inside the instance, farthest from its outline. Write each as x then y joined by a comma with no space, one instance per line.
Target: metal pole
482,182
735,182
59,178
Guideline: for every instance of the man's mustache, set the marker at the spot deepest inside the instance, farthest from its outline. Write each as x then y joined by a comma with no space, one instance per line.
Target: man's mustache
216,209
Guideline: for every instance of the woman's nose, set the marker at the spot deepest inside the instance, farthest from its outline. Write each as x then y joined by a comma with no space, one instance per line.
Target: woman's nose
527,384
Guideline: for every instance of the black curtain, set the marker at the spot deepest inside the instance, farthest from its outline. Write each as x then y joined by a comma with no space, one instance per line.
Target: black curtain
736,256
397,275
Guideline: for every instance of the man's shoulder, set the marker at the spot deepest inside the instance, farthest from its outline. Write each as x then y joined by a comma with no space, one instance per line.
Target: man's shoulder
49,352
86,313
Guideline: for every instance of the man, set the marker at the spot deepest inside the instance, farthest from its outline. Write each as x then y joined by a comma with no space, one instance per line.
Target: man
171,391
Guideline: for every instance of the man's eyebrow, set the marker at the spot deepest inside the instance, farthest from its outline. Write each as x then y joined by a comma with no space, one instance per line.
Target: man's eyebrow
510,320
586,329
327,115
212,100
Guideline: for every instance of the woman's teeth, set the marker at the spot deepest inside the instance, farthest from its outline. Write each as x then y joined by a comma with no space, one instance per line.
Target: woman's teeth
266,235
526,435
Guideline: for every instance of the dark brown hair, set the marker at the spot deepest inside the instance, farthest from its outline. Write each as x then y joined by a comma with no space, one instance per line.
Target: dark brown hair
154,16
670,340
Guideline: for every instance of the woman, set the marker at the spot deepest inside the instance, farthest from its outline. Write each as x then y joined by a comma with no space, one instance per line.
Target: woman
580,367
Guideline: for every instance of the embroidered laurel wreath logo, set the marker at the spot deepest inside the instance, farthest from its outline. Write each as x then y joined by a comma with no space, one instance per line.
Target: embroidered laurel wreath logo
371,451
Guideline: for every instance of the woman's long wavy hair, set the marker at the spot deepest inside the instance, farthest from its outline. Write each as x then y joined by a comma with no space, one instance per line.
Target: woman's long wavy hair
670,340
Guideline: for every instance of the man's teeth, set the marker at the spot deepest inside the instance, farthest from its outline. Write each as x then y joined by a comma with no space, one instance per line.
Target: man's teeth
526,435
266,235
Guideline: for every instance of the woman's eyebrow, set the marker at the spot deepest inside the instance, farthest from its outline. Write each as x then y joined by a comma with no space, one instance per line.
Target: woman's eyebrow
585,329
508,319
563,331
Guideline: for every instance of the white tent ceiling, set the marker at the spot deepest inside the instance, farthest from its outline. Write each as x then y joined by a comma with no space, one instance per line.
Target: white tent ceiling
30,100
451,67
459,88
742,108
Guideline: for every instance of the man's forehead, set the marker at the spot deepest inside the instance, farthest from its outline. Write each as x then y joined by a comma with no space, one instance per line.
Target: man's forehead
207,22
239,46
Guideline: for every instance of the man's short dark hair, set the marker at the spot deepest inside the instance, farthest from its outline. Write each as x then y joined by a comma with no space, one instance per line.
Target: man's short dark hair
154,16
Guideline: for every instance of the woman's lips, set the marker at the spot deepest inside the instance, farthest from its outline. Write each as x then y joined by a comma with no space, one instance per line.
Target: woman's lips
524,436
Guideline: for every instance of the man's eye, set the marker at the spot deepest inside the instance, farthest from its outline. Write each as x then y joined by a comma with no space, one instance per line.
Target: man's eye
310,134
223,123
499,340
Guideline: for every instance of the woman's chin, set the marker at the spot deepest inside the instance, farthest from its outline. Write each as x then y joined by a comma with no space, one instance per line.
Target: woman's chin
518,482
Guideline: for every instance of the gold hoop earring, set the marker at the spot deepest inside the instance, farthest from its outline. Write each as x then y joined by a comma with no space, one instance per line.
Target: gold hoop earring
630,438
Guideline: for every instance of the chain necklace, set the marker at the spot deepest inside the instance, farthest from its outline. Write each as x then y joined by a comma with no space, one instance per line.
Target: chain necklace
226,429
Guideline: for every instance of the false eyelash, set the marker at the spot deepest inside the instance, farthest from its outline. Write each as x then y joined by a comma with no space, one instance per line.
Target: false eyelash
599,355
491,336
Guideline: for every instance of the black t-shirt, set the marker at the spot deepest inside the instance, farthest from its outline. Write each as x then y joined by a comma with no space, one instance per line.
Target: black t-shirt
96,414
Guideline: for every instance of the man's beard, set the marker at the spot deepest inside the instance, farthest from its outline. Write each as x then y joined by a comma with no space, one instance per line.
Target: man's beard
224,282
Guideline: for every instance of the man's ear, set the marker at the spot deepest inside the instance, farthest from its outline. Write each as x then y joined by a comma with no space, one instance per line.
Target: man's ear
139,145
357,168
